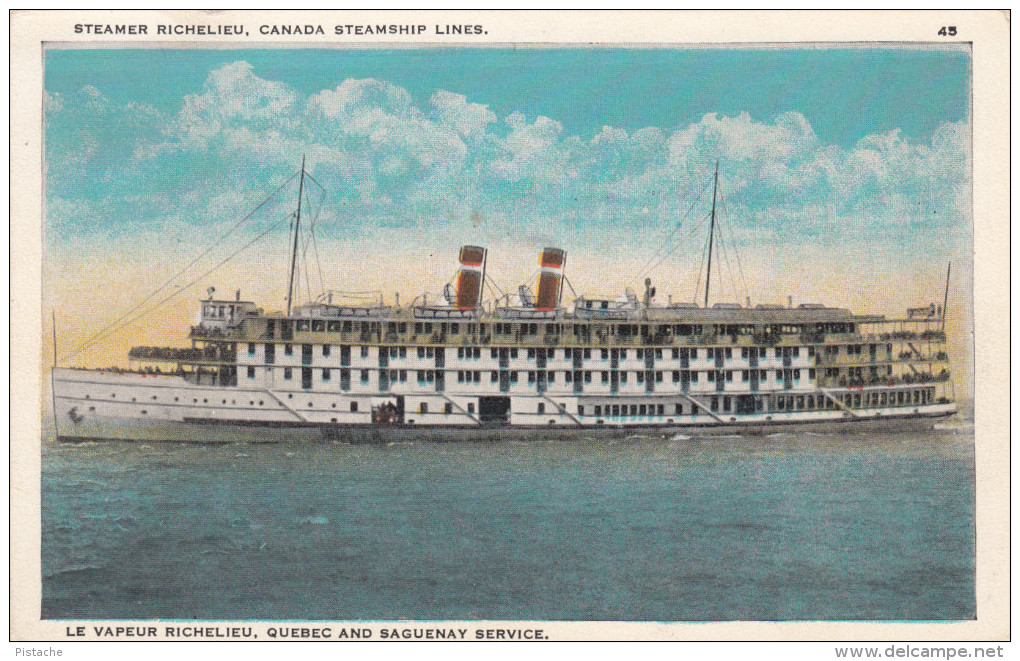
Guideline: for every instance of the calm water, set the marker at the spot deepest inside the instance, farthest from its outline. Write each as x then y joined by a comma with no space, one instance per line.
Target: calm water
788,526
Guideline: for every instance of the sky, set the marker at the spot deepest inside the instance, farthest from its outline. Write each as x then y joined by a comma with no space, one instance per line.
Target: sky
843,172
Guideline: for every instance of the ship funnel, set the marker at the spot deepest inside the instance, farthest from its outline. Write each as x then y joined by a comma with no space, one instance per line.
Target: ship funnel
550,278
470,277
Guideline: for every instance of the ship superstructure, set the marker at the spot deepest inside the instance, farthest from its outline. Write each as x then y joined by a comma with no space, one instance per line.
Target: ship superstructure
329,369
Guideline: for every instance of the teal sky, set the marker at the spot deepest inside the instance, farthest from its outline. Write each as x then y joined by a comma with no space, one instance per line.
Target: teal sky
845,93
823,149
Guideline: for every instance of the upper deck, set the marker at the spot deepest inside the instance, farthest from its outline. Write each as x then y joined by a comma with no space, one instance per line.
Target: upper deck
653,326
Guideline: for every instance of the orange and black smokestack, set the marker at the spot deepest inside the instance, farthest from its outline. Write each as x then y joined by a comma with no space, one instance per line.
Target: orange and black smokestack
550,278
470,277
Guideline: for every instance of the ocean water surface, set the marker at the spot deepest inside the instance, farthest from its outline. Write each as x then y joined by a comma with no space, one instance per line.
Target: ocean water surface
792,526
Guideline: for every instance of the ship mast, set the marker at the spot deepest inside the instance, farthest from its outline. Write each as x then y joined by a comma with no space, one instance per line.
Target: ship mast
945,297
711,233
297,230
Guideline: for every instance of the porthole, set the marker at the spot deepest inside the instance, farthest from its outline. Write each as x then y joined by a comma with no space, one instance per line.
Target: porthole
205,401
177,399
309,405
86,397
153,398
133,399
144,411
251,403
224,401
290,396
261,402
92,408
113,394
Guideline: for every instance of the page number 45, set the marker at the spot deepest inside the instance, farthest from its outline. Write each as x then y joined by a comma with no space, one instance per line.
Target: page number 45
948,31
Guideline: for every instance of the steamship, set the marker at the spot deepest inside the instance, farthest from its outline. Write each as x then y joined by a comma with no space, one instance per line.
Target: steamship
526,364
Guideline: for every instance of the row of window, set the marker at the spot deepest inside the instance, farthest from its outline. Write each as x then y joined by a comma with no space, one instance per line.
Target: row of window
469,376
532,328
467,353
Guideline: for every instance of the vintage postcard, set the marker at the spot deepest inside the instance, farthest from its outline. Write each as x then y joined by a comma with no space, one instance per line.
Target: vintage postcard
510,326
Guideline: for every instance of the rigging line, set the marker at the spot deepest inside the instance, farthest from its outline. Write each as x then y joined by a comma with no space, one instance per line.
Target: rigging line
570,285
310,239
726,258
182,288
736,252
315,244
675,248
308,176
731,243
189,264
701,267
669,238
492,283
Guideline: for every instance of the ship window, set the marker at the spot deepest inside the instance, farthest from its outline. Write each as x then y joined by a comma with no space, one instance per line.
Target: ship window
605,377
325,350
729,352
640,354
726,403
633,409
531,377
678,408
364,352
541,408
694,377
251,349
354,407
745,375
643,410
781,401
779,375
251,372
568,377
454,329
694,354
552,377
598,410
448,408
796,373
325,375
587,377
286,372
531,353
623,377
471,407
288,349
729,376
364,376
302,325
711,376
711,353
513,377
495,376
640,377
676,377
796,351
623,354
605,354
460,352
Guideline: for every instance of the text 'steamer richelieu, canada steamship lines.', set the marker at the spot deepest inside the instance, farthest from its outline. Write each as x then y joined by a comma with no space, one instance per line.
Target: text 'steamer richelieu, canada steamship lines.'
463,367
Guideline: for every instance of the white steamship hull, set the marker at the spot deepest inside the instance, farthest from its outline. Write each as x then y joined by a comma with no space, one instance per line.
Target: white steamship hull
98,405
